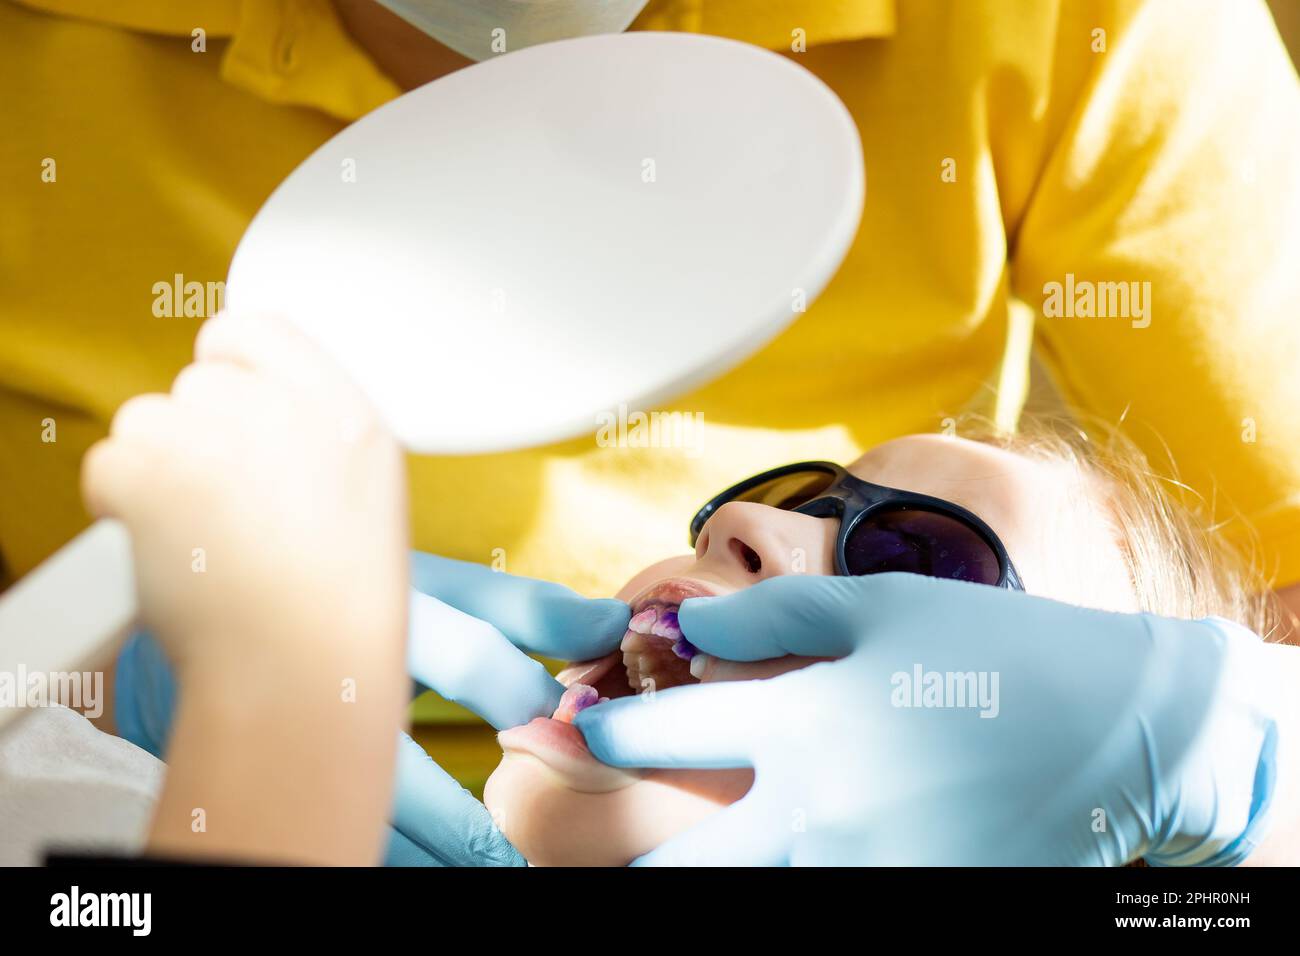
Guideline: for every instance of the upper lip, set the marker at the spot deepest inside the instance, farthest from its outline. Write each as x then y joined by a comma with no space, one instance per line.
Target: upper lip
670,593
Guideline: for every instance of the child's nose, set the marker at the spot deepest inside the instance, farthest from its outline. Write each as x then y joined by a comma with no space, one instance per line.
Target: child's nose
749,542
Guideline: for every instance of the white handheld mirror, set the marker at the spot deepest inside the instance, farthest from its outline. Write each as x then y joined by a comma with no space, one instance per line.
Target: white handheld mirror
500,255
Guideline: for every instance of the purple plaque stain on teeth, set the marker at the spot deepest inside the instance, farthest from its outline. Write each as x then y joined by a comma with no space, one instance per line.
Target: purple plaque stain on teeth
667,627
575,699
685,649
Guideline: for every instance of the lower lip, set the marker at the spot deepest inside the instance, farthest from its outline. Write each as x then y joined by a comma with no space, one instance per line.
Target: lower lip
560,747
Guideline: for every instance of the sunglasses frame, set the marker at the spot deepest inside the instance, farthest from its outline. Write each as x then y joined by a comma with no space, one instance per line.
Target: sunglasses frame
851,500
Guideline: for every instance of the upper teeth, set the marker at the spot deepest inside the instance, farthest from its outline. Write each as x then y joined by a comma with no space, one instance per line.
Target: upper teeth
659,621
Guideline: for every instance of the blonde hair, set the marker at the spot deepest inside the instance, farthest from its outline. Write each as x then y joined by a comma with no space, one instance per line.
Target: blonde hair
1180,562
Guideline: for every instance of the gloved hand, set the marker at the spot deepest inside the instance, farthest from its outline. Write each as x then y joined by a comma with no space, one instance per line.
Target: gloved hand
964,724
468,623
466,650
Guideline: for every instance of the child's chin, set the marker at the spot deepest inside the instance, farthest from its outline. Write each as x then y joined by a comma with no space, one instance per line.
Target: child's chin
506,794
550,824
554,825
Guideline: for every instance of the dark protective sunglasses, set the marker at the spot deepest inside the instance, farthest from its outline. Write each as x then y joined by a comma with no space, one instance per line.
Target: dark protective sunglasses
881,529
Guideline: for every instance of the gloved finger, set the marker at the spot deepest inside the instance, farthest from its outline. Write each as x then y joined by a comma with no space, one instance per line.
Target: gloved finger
403,851
539,616
754,831
794,614
436,814
469,661
707,668
685,727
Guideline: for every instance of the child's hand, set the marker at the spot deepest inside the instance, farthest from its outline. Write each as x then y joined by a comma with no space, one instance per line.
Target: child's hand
267,511
264,498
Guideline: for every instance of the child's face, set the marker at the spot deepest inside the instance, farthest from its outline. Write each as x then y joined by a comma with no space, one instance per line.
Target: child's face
560,806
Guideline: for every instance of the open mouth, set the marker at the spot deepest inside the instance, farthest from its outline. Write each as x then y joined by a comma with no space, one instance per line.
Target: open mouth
652,656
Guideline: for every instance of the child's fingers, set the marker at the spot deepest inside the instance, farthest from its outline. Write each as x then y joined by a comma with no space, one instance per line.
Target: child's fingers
142,417
112,466
269,346
102,477
115,470
217,386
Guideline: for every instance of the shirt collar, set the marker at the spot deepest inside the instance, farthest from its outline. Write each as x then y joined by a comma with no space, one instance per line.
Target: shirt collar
297,52
294,52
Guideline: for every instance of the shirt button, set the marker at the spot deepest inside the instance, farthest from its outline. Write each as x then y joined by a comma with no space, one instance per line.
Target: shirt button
286,55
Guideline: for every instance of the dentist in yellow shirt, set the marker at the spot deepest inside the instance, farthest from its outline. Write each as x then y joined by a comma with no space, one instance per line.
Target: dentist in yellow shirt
1010,147
1024,159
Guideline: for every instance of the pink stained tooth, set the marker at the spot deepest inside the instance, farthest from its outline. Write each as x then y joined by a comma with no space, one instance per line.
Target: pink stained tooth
643,622
576,698
667,626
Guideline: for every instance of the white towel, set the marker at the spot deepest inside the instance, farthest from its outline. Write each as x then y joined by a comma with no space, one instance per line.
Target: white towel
66,785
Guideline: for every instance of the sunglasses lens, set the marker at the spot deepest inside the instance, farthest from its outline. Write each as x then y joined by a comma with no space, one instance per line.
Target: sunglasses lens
920,542
788,491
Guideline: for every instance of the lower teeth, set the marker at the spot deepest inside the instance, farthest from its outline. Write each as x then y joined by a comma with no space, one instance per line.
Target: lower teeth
685,649
576,698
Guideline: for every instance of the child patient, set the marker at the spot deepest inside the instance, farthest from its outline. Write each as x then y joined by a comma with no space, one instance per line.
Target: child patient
1050,514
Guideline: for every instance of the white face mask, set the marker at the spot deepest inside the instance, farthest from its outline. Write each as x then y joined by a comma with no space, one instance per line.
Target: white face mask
480,29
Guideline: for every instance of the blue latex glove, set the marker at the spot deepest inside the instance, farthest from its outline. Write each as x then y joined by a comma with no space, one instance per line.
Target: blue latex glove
1105,737
468,650
465,644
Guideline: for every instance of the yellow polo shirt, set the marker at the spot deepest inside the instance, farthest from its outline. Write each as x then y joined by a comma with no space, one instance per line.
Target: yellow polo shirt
1009,146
